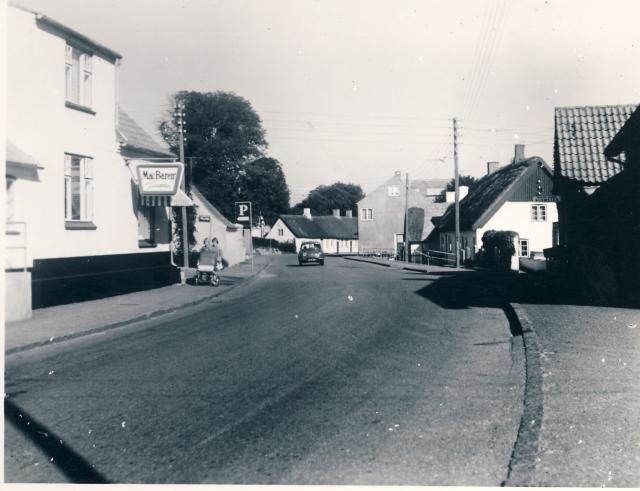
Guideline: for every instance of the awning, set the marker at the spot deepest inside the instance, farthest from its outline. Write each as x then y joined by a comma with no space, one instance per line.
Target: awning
179,199
21,165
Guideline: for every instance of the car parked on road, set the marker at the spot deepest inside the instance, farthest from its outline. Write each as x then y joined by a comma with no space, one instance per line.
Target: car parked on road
311,252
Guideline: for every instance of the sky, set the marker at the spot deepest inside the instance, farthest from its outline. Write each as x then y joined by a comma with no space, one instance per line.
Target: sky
353,91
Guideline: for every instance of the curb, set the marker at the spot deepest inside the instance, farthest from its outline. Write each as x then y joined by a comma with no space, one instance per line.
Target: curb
524,457
366,261
147,316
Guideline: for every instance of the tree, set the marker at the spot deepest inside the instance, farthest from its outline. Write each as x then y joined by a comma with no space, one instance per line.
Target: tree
469,181
323,199
224,134
265,186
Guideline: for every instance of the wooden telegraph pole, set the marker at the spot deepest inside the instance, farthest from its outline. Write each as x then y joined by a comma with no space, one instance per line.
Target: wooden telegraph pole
406,220
457,189
180,115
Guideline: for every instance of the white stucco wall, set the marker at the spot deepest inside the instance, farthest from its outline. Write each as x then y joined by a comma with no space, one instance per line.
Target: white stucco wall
41,125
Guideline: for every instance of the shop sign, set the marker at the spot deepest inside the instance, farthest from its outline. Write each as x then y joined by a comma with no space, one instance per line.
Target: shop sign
154,179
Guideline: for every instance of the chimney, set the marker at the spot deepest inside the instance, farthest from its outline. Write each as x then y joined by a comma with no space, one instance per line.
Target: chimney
306,212
336,212
492,167
519,153
463,191
348,214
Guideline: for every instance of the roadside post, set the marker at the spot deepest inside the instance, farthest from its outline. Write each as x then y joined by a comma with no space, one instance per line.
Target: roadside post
245,216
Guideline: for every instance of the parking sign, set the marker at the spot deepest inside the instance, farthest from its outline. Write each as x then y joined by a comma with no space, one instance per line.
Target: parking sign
243,212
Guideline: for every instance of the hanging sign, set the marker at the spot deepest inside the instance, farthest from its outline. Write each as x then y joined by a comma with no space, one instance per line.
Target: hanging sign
243,212
154,179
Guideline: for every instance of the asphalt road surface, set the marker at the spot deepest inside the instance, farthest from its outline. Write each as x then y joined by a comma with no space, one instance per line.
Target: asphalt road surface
347,373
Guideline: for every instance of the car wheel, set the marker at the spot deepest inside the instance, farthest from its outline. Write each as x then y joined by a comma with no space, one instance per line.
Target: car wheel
299,263
322,263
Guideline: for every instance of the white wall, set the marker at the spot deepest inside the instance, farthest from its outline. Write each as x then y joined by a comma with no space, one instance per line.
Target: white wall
516,216
287,235
41,125
231,241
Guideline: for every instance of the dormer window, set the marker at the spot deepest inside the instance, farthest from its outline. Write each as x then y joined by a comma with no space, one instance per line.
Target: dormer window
78,73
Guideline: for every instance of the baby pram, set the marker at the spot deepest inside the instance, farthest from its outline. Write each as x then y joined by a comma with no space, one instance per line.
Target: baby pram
207,269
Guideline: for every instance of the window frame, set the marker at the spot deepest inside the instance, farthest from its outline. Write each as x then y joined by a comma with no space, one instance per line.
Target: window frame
85,191
520,244
366,214
393,191
78,78
538,212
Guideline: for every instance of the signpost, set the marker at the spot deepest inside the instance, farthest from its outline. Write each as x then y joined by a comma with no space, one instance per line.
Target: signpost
244,216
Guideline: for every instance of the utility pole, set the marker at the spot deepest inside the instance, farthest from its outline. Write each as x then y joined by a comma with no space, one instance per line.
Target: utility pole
457,189
180,115
406,220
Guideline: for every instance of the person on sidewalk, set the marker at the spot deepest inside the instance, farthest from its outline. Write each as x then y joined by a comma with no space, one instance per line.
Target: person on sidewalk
217,250
205,245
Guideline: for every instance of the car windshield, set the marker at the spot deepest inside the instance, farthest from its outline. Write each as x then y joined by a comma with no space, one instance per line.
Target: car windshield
310,247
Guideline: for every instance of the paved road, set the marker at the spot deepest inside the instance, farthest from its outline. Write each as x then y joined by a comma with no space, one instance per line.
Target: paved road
344,374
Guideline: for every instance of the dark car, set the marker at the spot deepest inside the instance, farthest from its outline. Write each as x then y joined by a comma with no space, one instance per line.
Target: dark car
311,252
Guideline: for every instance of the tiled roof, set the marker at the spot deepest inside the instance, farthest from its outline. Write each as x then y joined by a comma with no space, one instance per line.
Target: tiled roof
322,227
627,138
138,139
480,204
581,135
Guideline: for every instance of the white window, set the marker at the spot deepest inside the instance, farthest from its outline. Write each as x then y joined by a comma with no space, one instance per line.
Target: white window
78,72
539,213
393,190
366,214
524,247
78,188
280,232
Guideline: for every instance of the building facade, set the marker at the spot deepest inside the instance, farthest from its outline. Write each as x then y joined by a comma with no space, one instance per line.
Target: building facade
336,234
381,213
81,225
517,198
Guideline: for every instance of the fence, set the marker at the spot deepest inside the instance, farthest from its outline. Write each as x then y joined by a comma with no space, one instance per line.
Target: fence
436,258
379,253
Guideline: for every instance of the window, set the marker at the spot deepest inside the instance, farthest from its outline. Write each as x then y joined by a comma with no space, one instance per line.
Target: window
524,247
393,191
78,71
146,226
366,214
539,213
280,232
78,188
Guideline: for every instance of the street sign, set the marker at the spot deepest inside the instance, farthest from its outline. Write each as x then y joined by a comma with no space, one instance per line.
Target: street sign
204,218
546,199
243,212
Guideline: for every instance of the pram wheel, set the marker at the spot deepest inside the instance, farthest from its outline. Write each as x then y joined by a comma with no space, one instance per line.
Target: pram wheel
215,280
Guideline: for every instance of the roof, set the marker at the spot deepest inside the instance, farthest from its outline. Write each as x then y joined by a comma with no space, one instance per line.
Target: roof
424,184
627,137
54,27
137,139
488,194
581,134
212,209
322,227
16,155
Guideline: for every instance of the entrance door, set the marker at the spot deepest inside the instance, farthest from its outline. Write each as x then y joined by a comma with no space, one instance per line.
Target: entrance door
398,241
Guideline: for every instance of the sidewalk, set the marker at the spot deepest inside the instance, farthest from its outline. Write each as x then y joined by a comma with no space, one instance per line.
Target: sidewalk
54,324
590,366
422,268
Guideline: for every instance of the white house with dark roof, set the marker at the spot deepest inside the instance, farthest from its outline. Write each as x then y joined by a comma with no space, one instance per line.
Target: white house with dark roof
517,197
337,234
80,225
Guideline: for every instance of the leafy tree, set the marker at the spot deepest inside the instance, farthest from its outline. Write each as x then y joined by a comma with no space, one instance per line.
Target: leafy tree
224,134
469,181
264,184
323,199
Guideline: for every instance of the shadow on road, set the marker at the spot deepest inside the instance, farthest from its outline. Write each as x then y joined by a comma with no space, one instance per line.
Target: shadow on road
71,464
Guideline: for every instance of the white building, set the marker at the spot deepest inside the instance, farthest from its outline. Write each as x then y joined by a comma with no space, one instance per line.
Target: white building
336,234
74,207
515,198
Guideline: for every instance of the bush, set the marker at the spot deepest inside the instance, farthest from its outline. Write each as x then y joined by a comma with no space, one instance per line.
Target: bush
498,247
268,243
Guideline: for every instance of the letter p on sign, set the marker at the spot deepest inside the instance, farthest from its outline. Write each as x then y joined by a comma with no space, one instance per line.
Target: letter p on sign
243,212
